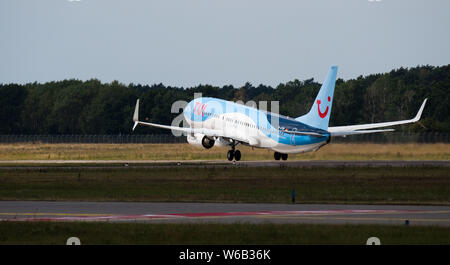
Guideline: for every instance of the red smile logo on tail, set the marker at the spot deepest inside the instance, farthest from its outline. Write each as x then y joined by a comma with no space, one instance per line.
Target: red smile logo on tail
324,114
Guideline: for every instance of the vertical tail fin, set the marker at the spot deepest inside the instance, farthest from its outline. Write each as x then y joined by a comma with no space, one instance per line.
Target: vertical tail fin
320,112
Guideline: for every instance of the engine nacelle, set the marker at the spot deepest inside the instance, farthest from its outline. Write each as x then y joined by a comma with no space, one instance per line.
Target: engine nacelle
201,140
220,142
207,142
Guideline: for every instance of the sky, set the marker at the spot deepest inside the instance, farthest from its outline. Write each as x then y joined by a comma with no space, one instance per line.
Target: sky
185,43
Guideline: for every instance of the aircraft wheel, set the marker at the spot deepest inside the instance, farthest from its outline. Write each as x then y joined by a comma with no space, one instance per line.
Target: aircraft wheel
230,155
237,155
277,156
284,156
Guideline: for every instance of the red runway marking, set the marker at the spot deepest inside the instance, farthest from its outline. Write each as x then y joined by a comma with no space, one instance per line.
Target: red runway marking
205,215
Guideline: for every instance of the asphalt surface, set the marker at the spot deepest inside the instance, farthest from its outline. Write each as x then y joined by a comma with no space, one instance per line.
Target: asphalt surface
223,213
5,164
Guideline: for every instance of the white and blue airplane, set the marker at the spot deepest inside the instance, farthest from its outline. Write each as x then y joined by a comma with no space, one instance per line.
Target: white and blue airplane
216,122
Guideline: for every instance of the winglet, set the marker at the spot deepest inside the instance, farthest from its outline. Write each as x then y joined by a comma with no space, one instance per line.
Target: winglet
419,113
136,115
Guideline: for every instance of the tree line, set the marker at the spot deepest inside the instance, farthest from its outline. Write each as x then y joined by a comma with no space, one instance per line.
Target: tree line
92,107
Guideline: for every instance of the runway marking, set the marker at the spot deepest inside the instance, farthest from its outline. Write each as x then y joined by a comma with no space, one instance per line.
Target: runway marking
264,213
370,213
318,215
362,218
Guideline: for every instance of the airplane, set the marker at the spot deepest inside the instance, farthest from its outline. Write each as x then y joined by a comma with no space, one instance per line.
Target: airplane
217,122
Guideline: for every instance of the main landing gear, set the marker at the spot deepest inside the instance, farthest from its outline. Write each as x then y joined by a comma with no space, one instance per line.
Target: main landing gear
236,154
277,156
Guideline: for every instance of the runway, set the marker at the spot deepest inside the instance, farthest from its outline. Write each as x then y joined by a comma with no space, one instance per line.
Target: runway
220,212
223,213
106,164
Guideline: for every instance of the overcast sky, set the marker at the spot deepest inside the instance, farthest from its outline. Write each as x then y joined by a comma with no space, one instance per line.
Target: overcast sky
218,42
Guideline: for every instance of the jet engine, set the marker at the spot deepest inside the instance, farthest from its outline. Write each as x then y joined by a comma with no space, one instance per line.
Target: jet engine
201,140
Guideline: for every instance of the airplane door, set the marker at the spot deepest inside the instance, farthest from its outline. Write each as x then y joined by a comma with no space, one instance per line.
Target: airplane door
293,139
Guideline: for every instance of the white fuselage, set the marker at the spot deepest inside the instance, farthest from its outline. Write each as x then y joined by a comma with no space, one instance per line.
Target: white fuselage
247,125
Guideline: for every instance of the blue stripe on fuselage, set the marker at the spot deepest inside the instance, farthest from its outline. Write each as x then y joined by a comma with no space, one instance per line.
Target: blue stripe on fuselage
205,108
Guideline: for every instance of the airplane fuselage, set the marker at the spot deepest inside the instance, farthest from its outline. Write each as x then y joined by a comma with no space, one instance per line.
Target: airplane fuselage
251,126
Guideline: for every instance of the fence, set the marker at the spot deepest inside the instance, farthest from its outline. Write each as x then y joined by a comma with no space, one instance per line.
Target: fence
391,137
112,139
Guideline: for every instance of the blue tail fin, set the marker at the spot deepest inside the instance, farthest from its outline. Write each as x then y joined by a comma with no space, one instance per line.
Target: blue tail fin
320,112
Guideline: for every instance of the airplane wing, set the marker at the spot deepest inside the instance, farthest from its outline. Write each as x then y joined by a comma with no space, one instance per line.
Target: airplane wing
363,128
208,132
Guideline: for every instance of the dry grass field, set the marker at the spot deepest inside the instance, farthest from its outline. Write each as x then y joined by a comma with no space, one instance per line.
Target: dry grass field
333,151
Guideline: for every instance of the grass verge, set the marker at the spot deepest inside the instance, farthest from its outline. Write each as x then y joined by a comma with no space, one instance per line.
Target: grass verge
418,185
276,234
333,151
